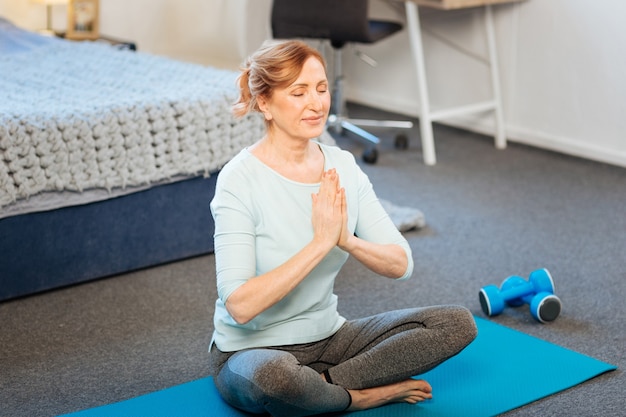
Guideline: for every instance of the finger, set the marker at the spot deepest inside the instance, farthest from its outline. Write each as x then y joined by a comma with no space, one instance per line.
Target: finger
341,202
331,175
344,203
335,177
326,182
329,190
333,182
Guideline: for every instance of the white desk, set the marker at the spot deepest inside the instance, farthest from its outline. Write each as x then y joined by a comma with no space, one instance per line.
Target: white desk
426,115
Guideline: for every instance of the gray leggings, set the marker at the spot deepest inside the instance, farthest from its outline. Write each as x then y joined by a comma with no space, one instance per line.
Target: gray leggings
364,353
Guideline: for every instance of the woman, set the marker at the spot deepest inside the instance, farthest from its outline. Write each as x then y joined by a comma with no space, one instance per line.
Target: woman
288,212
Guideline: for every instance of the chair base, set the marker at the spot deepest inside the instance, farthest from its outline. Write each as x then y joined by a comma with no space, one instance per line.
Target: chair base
338,124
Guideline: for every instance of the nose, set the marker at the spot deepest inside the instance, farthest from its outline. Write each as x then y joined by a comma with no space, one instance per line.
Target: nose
316,101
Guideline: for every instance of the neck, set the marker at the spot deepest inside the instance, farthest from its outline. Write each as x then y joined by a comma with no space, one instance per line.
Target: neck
285,151
299,160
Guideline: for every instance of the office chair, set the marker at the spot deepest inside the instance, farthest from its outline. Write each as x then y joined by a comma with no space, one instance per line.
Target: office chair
340,22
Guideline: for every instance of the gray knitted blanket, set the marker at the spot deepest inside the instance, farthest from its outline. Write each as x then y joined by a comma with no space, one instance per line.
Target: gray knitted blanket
82,115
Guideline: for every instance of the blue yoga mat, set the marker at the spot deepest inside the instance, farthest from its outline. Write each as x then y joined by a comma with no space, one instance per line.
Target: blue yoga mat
501,370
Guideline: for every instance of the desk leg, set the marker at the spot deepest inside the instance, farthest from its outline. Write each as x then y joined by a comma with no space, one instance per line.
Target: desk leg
500,136
417,51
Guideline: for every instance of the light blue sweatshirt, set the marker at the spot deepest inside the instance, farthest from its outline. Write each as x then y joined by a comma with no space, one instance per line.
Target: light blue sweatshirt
261,220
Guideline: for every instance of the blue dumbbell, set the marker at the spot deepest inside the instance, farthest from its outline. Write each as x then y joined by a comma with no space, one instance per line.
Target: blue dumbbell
538,291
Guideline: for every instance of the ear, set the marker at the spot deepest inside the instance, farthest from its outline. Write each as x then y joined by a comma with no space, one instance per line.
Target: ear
264,107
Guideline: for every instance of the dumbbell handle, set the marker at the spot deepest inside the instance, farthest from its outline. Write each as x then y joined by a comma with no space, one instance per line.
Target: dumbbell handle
518,291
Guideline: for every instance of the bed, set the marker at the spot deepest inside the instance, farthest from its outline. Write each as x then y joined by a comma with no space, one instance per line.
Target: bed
108,159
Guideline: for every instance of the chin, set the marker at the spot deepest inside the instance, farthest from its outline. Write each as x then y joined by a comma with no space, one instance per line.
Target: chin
317,131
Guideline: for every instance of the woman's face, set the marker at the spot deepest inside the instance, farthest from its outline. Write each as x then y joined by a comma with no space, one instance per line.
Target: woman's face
301,109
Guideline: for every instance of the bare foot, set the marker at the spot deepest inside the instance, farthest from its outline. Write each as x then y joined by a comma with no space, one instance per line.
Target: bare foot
410,391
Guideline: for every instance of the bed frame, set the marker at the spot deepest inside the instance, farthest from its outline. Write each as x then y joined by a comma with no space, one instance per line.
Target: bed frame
57,248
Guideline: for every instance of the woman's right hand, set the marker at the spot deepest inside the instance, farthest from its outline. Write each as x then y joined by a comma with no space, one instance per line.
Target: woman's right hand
327,218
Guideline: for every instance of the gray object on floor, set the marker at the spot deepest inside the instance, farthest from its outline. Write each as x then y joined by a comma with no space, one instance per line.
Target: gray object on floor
405,218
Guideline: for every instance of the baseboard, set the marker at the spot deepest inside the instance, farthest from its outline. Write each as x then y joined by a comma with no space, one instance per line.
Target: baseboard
483,125
544,140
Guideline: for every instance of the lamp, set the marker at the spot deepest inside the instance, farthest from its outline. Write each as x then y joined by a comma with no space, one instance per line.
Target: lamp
49,3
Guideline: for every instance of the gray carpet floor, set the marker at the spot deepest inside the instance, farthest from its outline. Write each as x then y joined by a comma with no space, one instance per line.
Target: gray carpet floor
489,213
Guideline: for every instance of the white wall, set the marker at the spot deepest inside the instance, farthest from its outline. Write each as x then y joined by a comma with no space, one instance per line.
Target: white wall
562,62
216,32
569,88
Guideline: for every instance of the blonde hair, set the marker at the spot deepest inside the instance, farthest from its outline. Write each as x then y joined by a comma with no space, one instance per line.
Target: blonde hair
277,64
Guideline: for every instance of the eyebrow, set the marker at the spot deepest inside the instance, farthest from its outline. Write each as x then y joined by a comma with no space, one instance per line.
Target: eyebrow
306,84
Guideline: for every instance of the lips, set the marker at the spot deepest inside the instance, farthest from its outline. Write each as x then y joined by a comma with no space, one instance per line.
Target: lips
313,118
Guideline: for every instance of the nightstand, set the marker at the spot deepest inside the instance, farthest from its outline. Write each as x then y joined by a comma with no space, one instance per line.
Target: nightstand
116,42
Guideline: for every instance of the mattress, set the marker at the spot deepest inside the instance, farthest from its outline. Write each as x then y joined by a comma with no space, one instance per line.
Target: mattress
84,121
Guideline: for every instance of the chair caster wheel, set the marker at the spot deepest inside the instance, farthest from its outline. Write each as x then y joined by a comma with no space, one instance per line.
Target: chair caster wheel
402,141
370,156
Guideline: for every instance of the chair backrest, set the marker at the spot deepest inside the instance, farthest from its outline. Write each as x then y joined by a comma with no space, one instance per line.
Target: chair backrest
340,21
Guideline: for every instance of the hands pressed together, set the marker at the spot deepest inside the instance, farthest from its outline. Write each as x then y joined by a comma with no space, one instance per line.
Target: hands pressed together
330,212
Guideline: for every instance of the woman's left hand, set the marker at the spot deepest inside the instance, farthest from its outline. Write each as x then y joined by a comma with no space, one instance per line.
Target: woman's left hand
345,237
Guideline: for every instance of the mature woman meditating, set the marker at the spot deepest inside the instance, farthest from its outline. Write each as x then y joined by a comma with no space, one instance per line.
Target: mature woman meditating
288,212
